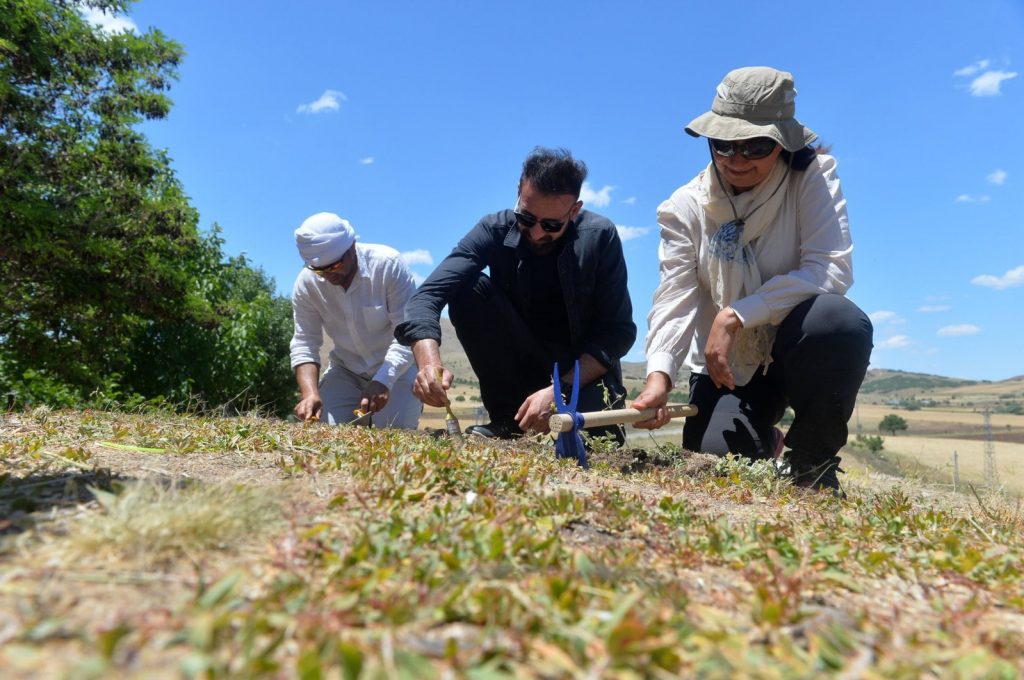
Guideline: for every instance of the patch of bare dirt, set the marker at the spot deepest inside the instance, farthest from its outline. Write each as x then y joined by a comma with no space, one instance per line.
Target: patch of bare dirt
636,460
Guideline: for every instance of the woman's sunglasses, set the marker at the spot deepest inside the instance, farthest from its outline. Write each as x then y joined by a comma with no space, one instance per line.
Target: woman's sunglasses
751,149
549,225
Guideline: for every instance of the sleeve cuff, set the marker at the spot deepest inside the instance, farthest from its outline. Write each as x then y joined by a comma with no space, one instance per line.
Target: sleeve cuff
298,359
385,375
410,331
752,311
662,361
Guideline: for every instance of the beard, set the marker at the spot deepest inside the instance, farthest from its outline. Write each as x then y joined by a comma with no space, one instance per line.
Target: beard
545,246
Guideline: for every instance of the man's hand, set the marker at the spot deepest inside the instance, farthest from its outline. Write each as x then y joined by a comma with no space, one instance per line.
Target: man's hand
716,351
374,397
431,390
432,379
654,395
309,408
533,415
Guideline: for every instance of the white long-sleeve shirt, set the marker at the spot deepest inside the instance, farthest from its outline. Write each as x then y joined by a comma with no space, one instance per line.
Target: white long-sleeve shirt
806,251
361,321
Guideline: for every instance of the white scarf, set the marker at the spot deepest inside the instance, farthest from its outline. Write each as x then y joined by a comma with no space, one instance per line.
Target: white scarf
732,266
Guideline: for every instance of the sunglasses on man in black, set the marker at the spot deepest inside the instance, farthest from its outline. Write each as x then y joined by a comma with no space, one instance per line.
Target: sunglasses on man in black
548,225
751,149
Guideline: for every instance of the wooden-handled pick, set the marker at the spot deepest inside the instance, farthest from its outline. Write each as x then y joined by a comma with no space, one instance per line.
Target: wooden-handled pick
564,422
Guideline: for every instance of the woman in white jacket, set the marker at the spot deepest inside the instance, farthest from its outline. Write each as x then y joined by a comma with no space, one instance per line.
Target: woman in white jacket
755,260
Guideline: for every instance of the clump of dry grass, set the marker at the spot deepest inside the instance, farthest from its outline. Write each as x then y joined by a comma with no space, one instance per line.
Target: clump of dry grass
152,522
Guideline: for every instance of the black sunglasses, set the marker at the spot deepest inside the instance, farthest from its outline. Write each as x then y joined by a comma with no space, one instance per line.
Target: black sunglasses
751,149
548,225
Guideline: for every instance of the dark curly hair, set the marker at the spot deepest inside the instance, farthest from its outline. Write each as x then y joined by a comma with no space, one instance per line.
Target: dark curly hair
554,171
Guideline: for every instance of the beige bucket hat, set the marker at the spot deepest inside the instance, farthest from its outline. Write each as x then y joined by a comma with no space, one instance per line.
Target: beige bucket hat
755,101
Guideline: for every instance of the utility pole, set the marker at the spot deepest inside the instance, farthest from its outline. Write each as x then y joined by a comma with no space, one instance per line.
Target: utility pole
956,472
991,474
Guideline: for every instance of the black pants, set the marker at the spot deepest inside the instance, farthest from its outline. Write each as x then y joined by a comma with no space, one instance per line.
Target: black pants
512,363
819,359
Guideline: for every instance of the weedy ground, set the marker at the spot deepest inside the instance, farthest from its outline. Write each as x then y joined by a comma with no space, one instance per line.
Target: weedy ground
150,545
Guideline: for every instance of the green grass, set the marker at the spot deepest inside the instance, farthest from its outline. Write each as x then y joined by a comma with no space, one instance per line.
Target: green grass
414,557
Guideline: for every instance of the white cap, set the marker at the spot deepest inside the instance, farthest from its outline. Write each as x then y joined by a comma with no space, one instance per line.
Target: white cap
324,238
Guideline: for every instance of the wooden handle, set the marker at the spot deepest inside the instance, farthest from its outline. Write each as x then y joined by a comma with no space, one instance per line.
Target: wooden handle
563,422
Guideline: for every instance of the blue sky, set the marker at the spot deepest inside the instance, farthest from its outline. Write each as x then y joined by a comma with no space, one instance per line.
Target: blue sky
411,119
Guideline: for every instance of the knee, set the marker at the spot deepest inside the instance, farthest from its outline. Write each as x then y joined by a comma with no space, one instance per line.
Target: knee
832,322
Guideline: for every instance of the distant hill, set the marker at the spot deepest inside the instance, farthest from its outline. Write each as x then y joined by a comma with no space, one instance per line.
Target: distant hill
889,384
886,382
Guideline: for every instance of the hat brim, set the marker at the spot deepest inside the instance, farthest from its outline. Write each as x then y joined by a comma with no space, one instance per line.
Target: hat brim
791,134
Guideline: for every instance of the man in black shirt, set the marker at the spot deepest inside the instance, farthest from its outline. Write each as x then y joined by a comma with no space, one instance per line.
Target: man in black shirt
556,292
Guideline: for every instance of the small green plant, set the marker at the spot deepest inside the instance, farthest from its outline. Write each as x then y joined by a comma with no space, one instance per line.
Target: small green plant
762,475
873,443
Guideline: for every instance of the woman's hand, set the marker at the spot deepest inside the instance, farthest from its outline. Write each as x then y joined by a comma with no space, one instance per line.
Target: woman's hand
716,351
654,395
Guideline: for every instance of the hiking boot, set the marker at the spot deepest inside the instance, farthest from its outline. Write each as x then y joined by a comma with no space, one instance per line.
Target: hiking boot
818,476
496,429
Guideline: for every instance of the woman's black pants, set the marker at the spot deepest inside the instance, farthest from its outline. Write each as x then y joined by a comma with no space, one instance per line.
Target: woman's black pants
819,359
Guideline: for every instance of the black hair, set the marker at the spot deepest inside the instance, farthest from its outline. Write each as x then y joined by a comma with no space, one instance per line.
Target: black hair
554,171
801,159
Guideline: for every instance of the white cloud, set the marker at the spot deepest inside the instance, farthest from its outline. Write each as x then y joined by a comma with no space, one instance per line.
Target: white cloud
989,82
598,199
996,177
418,279
330,100
958,330
895,342
630,233
367,161
967,198
885,316
629,201
932,309
108,23
1011,279
413,257
971,69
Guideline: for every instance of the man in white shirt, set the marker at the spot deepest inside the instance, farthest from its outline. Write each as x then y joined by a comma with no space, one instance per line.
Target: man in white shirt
355,292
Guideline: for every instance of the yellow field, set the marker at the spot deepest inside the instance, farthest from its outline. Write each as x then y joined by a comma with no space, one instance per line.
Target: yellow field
934,421
937,454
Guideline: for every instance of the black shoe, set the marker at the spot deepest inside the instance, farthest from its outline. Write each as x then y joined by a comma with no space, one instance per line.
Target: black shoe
497,429
819,476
